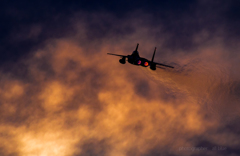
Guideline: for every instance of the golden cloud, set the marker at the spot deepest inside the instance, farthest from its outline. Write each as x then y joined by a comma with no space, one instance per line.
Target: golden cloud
80,101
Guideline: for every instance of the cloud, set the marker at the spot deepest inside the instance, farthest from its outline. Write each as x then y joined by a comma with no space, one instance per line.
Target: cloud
67,97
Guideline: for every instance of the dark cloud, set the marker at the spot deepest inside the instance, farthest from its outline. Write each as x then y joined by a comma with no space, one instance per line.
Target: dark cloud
59,90
93,147
142,89
231,127
26,24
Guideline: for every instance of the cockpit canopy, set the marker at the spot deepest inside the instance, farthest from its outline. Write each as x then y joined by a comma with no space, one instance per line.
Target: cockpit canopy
135,54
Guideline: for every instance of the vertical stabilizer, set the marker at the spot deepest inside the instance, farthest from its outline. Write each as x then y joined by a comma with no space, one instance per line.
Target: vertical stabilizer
137,47
153,54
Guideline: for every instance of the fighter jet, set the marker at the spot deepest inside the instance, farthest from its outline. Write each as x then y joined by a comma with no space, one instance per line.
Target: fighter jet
135,59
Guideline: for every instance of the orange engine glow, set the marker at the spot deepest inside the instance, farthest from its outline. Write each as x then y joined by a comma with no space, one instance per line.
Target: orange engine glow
139,62
146,64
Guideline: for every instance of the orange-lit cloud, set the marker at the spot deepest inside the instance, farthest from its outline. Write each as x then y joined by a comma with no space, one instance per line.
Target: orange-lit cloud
76,100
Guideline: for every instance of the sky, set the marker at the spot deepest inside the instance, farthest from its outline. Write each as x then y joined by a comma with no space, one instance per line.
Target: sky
62,95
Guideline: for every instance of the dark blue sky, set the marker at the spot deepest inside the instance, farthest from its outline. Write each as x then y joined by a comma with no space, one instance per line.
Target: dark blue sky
180,20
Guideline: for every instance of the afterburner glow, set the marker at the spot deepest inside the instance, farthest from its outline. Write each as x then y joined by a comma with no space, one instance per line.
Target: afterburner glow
146,64
139,62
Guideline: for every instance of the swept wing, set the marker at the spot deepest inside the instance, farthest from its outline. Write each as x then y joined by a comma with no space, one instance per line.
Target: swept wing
117,55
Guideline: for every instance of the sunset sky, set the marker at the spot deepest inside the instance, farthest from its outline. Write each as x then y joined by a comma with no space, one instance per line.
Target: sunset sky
62,95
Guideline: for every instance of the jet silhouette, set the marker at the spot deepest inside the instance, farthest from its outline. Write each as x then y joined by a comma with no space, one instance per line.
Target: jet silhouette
135,59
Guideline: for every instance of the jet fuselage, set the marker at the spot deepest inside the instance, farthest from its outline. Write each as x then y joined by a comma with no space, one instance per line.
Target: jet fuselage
135,59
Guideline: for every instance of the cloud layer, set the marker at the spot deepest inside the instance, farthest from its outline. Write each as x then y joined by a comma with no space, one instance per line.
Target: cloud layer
67,97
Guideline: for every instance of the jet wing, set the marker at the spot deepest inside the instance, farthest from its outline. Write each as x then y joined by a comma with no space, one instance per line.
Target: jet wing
163,65
116,55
